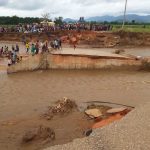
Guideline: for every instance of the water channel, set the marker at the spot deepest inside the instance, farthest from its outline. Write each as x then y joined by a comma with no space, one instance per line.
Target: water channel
28,93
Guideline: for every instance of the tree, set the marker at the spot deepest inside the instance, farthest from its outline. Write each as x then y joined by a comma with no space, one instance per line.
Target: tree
59,21
46,16
15,19
105,22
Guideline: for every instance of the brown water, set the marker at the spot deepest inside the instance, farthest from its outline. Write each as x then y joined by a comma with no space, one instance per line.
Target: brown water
24,94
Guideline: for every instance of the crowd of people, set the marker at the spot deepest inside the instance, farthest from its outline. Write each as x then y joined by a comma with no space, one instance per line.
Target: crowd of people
41,47
56,44
12,54
33,48
37,47
32,28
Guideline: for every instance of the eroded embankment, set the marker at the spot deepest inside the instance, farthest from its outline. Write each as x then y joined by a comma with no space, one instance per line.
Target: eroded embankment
89,38
59,61
61,123
131,133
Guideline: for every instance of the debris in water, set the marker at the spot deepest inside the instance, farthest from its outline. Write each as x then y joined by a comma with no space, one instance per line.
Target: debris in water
119,51
61,107
42,133
88,132
29,136
115,114
103,109
107,121
116,110
93,113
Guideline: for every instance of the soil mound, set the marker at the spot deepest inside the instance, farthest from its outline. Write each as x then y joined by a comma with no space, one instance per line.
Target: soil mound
43,134
61,107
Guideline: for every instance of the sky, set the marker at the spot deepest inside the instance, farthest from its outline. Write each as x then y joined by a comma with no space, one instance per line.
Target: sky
72,8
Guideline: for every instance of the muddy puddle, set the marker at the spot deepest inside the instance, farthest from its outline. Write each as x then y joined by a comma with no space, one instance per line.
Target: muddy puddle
60,123
37,133
24,94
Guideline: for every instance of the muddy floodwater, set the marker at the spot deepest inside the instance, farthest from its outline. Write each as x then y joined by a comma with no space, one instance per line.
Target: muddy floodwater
30,93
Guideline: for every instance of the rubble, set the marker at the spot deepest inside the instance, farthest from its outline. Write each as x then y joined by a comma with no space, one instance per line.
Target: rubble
93,113
107,121
119,51
104,115
103,109
41,133
61,107
116,110
113,115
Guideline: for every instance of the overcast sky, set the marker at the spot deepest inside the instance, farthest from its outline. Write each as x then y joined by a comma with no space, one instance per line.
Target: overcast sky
72,8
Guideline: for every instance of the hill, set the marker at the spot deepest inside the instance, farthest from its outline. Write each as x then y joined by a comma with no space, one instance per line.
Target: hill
129,18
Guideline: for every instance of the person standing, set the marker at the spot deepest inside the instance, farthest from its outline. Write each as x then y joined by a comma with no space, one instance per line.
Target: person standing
13,48
27,47
56,44
9,61
14,57
37,47
33,49
46,45
74,45
60,43
1,51
17,48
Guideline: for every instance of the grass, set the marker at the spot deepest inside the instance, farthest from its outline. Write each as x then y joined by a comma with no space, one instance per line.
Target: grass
7,26
133,28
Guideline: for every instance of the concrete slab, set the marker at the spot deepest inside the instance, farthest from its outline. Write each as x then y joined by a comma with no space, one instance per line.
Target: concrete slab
87,52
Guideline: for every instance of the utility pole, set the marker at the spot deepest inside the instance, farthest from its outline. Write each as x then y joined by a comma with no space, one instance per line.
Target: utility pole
125,10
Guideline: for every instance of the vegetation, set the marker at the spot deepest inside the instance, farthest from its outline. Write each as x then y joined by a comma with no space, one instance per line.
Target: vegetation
14,20
46,16
59,21
132,26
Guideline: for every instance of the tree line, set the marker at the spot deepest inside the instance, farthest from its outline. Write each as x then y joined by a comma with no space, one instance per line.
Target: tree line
14,20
